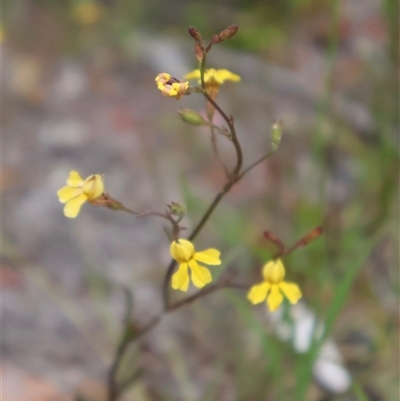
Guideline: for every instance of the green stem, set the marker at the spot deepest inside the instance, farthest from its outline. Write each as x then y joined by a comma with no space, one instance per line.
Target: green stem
256,163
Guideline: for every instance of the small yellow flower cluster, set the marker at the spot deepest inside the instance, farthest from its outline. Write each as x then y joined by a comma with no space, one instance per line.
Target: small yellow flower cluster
273,288
213,79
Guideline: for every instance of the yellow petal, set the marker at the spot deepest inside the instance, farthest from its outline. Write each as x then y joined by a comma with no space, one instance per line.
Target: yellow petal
172,90
74,179
225,75
291,291
93,186
67,193
209,256
200,275
193,75
275,298
176,89
163,78
210,74
258,293
274,271
71,209
182,251
180,280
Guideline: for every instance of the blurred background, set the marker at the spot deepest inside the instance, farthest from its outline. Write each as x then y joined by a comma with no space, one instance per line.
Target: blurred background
79,94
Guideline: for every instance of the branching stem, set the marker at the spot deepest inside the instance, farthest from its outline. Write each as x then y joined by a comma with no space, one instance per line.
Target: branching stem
233,177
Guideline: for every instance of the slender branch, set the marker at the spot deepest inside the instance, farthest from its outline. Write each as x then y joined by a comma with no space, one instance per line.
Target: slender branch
216,152
231,126
166,281
223,282
209,211
114,391
113,388
228,120
130,380
175,224
256,163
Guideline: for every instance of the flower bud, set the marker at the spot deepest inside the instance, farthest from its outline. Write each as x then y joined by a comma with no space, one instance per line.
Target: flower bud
195,34
177,209
276,134
274,239
311,236
192,117
225,34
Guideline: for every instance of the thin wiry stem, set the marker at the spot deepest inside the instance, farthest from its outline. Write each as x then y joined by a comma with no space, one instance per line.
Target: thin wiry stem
115,389
168,216
224,282
216,152
256,163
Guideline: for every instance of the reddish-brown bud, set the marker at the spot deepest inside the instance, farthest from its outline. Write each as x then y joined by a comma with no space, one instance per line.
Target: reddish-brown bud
274,239
225,34
311,236
195,34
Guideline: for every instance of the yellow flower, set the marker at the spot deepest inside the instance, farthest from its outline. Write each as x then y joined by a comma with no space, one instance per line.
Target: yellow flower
170,86
213,77
274,287
183,252
78,191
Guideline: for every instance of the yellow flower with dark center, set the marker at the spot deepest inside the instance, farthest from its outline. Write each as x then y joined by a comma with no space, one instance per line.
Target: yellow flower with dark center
273,288
170,86
184,253
78,191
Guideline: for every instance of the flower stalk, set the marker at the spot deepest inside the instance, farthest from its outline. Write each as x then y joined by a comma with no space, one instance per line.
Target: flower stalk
273,288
